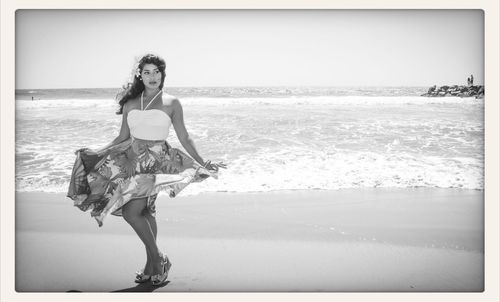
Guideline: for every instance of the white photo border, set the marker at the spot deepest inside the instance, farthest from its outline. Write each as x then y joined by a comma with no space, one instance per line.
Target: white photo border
7,151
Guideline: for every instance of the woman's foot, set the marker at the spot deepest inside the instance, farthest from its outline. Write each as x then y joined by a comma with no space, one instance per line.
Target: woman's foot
160,278
144,275
141,277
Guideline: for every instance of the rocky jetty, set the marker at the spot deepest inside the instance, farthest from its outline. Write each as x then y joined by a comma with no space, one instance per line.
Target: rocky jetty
456,90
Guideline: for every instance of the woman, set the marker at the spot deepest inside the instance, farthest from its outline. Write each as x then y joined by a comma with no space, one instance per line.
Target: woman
124,177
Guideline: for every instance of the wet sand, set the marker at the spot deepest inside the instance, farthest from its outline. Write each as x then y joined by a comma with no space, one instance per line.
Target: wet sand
356,240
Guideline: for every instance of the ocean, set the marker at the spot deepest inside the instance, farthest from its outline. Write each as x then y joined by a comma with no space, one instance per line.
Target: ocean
273,138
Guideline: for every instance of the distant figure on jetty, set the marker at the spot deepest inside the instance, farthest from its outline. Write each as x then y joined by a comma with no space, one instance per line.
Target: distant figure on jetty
470,81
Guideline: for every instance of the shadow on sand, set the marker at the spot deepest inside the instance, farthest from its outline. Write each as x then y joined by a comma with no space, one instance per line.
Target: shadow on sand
140,288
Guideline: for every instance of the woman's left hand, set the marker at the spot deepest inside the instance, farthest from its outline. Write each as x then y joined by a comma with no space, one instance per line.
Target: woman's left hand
209,165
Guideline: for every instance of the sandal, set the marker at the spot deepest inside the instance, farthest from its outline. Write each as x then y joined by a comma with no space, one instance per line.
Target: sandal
140,277
160,279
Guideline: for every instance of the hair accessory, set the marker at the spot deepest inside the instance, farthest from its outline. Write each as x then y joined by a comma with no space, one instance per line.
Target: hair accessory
136,71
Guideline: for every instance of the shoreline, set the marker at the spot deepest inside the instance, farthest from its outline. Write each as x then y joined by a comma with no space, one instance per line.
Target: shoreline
334,241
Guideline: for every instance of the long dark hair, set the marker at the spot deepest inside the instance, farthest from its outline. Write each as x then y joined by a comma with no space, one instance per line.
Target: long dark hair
132,90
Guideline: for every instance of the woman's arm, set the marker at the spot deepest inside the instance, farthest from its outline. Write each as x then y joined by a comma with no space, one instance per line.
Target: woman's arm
182,134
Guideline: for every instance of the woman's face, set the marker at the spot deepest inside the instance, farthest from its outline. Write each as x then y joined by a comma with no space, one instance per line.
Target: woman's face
151,76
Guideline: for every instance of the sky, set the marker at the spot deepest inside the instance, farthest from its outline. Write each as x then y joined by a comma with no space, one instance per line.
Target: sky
99,48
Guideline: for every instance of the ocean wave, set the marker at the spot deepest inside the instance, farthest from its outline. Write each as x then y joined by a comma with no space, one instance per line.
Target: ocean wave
299,168
298,100
329,100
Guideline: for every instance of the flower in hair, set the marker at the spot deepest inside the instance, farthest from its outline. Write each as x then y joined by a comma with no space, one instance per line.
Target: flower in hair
136,71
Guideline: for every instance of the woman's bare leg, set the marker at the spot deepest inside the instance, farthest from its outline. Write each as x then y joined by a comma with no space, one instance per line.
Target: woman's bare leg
152,222
133,213
154,228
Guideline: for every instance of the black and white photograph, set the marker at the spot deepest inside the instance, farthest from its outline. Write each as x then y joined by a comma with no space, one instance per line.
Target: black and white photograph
260,150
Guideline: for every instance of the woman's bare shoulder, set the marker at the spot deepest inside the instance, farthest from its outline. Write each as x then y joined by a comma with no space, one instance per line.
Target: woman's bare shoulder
169,100
131,105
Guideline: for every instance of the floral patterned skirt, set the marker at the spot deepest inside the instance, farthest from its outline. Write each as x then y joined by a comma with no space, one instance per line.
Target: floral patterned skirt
104,182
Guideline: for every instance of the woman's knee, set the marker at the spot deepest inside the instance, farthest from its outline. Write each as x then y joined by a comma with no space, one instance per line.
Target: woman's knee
148,214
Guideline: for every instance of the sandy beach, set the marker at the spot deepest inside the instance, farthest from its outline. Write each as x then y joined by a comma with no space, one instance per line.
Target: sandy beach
352,240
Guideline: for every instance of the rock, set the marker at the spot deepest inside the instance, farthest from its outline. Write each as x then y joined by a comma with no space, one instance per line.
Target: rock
455,90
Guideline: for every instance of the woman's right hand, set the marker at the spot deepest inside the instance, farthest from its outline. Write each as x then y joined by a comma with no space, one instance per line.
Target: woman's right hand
87,151
80,150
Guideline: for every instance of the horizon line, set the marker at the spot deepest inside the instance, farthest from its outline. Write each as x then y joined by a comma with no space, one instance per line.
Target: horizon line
253,86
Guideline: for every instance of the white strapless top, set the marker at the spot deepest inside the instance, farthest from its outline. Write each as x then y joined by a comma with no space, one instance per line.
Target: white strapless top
152,124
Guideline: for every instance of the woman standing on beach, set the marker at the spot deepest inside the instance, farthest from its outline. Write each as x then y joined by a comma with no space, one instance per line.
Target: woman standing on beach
125,177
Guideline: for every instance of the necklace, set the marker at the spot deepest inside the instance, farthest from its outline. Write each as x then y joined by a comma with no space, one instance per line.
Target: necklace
142,100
